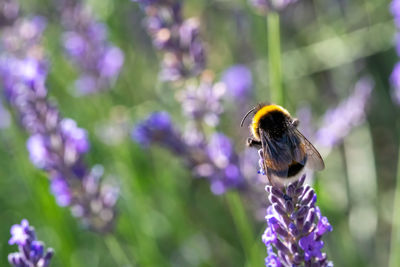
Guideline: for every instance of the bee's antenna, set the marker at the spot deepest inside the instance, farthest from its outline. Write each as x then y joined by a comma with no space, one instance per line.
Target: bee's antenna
245,116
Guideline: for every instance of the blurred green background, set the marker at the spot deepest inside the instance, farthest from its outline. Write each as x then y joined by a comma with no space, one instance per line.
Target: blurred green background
167,218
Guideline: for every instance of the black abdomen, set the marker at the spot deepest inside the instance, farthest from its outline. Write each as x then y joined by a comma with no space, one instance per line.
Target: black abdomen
292,170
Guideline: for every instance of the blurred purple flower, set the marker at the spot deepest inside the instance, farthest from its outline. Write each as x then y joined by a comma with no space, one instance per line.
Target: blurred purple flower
238,80
395,76
56,144
184,53
76,138
215,161
208,156
85,42
263,6
223,163
9,10
295,227
31,251
395,10
158,128
37,150
61,191
349,113
202,103
395,81
220,149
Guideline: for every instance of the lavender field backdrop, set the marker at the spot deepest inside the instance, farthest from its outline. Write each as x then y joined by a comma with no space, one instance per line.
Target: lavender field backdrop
121,145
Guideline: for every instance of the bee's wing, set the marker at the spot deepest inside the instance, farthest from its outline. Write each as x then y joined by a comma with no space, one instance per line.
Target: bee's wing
314,159
277,154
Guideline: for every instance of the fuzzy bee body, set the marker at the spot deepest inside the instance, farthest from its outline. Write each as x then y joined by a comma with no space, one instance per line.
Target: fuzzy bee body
285,151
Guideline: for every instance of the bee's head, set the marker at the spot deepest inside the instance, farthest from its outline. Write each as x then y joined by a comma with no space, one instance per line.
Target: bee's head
272,119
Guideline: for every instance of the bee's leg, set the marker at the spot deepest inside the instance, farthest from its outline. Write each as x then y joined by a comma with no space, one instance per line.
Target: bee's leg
295,122
253,143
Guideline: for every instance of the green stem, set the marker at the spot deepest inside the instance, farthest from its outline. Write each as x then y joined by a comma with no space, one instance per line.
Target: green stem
116,251
394,257
274,59
251,248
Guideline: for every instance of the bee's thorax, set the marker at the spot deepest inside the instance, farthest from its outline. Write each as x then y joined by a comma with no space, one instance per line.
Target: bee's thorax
275,124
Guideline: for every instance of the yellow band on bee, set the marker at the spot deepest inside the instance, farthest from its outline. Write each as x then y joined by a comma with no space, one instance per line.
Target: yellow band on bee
261,113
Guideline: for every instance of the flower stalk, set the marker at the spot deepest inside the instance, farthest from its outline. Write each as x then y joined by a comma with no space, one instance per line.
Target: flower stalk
277,94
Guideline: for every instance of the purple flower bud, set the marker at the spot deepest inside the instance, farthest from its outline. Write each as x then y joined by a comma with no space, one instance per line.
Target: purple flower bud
395,10
293,229
37,250
279,210
307,199
281,247
311,247
323,226
272,261
290,190
31,251
273,199
19,234
269,236
277,192
289,206
299,191
300,213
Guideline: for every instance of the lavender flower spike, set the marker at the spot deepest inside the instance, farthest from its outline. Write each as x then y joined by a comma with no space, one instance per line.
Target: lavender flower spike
214,160
180,39
350,113
56,144
31,251
85,42
295,227
158,128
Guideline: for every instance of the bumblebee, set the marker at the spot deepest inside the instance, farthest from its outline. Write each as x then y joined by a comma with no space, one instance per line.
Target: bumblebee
285,152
